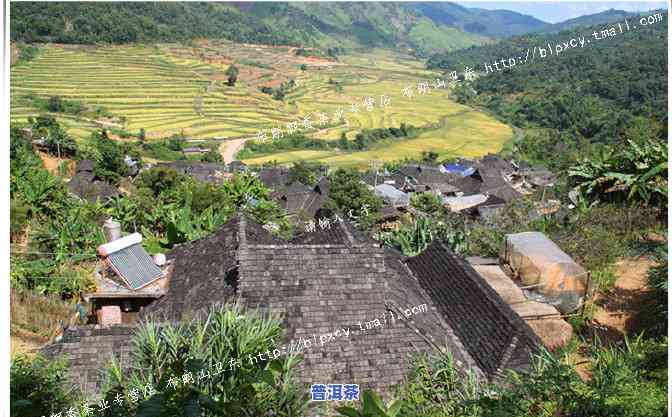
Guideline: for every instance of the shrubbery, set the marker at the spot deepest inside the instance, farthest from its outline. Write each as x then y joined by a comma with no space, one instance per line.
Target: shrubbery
226,333
38,387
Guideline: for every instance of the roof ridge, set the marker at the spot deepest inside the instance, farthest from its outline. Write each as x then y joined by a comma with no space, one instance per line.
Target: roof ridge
242,227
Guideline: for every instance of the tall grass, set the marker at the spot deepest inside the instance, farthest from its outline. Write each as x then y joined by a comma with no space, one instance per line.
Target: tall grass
39,314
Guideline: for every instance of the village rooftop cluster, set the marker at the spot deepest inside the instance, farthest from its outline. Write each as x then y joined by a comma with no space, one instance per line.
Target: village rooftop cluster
331,282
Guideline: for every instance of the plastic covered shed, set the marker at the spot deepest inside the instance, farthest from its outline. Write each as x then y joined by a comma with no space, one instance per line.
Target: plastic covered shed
393,196
537,261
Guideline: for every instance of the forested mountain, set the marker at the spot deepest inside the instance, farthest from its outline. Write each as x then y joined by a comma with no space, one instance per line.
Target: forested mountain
307,24
491,23
606,16
592,92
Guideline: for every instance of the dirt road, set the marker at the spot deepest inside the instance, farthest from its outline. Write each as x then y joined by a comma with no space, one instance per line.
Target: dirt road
229,148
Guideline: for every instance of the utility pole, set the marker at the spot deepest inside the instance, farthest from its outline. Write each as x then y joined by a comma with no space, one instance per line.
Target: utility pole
374,166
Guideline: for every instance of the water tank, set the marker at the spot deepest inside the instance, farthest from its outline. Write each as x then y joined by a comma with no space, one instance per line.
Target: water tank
112,230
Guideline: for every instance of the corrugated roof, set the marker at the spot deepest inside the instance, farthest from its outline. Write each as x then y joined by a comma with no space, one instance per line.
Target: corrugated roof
135,266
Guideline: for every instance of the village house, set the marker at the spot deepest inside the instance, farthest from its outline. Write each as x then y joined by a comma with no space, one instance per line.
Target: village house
302,201
212,172
476,188
194,151
86,185
328,279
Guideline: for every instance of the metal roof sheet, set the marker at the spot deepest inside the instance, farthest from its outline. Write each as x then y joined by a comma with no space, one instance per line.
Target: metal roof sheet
135,266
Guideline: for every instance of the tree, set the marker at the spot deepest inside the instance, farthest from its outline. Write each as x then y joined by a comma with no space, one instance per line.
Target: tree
426,202
360,141
176,142
212,156
343,142
158,180
429,156
279,94
348,192
232,73
55,104
56,139
302,173
109,157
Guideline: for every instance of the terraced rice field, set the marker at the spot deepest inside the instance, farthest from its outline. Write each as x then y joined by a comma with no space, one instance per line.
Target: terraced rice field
169,88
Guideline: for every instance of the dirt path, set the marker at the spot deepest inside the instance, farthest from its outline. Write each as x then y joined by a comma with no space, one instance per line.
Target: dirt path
618,310
229,148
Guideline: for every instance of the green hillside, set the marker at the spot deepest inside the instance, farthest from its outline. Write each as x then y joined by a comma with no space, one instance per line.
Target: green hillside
490,23
620,78
323,25
606,16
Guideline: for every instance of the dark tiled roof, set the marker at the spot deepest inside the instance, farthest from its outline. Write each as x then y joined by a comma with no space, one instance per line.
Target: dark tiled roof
336,234
342,281
468,185
274,178
236,166
504,192
201,269
319,282
85,165
301,200
212,172
85,186
424,174
89,350
321,288
494,335
492,171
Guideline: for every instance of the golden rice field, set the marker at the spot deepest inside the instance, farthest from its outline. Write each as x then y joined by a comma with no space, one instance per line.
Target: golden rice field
170,88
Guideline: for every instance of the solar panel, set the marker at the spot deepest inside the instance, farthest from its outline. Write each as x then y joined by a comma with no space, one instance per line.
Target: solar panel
135,266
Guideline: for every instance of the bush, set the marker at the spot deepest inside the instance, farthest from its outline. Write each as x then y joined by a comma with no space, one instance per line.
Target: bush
427,202
232,73
109,157
37,387
303,173
158,179
435,388
347,192
212,156
242,387
635,172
